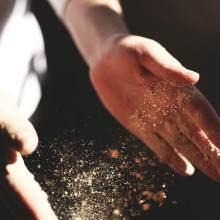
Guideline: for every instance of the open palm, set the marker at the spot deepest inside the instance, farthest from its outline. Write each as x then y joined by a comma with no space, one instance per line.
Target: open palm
151,95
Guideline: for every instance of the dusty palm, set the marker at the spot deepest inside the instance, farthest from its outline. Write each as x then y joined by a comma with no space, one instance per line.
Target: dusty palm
175,122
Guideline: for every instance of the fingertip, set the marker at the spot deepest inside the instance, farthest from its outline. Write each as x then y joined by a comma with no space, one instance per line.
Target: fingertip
28,140
187,169
192,76
190,170
29,146
184,77
179,76
29,149
180,165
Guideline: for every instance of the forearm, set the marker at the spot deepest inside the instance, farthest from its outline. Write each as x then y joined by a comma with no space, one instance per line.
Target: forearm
91,23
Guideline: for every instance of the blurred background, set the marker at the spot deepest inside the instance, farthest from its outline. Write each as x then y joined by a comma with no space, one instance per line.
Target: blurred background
190,31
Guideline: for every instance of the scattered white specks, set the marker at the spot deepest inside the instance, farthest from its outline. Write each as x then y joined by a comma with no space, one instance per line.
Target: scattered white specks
116,212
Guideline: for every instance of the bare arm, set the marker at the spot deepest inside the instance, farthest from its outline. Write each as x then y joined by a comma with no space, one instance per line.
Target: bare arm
146,89
94,23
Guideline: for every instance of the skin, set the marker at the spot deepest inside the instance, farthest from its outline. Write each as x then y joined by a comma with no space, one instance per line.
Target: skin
26,200
146,89
176,122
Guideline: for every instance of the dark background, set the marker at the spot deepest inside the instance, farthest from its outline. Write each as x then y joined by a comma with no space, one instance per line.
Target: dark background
188,29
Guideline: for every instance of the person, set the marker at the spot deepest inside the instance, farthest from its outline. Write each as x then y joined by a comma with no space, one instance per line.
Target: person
144,87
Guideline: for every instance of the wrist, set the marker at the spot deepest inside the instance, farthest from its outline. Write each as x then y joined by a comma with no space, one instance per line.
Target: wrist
107,27
107,48
92,24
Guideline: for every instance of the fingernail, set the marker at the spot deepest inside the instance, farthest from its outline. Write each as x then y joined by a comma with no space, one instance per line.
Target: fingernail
189,169
193,76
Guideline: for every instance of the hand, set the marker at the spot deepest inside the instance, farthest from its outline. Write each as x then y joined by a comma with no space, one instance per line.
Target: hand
18,189
151,94
16,133
22,194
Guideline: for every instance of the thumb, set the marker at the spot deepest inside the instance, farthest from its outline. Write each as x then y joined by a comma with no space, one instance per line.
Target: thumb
165,66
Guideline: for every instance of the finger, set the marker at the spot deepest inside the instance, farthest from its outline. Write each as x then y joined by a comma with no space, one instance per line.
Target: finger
168,155
20,134
199,138
165,66
182,144
23,194
197,107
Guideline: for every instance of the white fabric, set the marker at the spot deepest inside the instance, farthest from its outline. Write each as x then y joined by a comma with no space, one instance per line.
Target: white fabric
58,6
20,43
